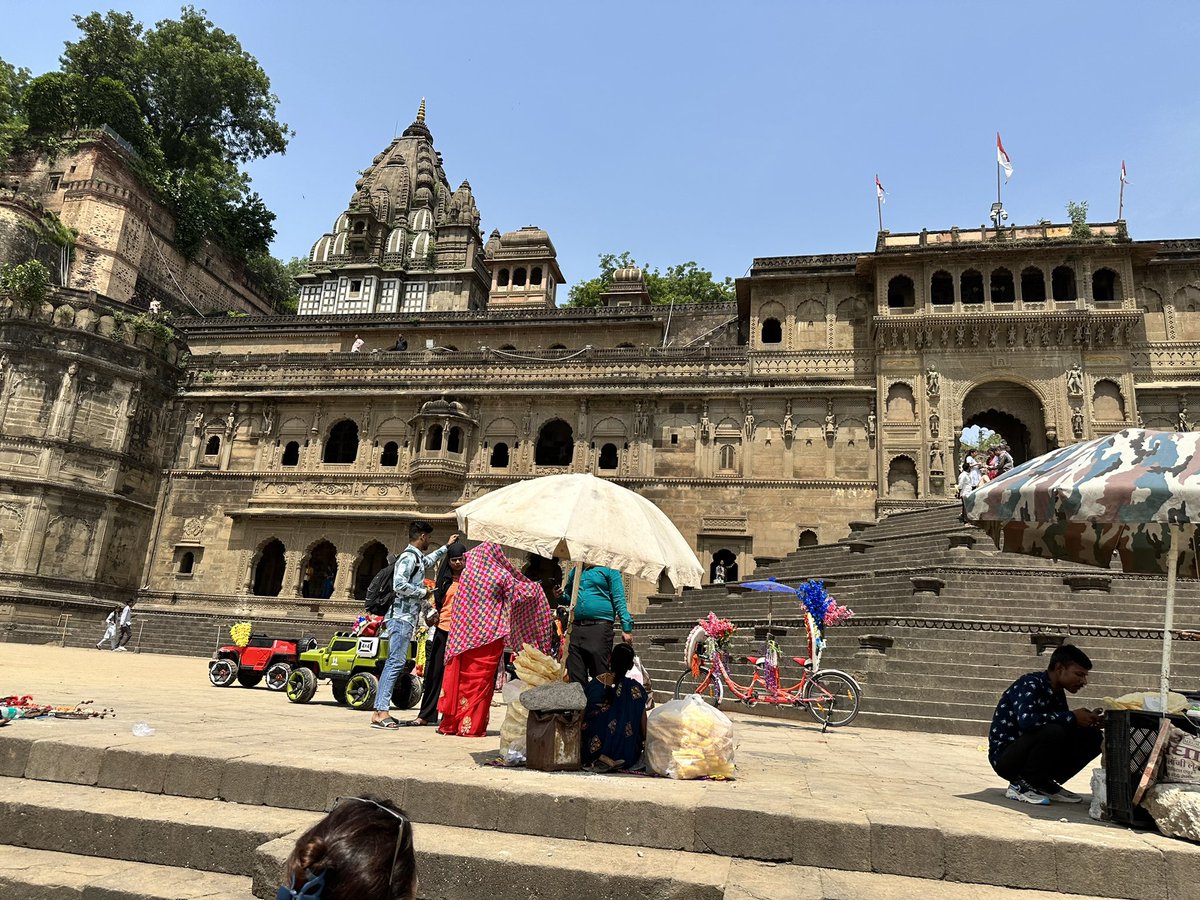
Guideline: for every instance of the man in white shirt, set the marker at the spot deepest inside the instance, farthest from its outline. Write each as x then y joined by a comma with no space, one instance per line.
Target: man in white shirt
124,627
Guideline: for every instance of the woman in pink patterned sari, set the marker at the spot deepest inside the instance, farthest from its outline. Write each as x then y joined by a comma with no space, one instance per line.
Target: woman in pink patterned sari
496,606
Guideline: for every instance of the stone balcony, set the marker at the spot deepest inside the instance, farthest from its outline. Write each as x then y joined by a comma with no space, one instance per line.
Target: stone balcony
437,472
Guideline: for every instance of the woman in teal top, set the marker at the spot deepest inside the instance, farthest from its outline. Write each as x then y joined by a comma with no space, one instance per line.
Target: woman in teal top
600,605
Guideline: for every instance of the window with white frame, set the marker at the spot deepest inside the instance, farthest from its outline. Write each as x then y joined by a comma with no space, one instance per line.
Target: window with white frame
414,297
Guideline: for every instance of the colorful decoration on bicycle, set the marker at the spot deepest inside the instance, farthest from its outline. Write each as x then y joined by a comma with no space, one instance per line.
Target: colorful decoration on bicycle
720,630
815,599
837,614
240,633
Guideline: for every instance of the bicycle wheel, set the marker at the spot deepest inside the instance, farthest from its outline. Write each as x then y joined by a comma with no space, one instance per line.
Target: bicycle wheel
832,698
707,686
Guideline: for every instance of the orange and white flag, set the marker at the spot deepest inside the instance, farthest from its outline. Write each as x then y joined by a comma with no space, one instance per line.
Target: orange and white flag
1002,157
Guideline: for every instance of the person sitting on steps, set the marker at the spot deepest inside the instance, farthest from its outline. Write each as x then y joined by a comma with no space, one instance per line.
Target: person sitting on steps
1036,742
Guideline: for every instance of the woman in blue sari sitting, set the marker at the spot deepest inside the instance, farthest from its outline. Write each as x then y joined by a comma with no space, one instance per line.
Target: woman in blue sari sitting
614,723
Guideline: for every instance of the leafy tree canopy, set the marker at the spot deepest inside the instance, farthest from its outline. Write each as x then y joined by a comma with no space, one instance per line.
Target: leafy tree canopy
188,97
682,283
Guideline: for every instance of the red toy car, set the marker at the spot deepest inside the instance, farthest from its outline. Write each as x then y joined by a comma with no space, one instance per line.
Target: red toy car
263,657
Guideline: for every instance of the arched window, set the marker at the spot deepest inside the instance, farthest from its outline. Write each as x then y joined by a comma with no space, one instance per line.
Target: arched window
342,445
901,293
502,278
213,447
390,457
499,458
1062,283
901,404
971,287
268,571
187,562
808,538
320,571
535,275
1106,286
555,444
1003,290
941,288
434,441
1033,285
454,440
370,562
1107,403
519,277
772,331
728,457
608,456
291,454
557,347
508,347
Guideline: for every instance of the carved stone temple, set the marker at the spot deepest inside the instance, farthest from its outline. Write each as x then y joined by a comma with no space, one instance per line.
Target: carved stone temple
256,463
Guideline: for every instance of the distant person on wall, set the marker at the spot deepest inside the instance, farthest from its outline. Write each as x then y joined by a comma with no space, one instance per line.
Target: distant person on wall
357,345
444,590
124,626
110,629
719,574
408,582
400,345
600,605
1004,460
1036,742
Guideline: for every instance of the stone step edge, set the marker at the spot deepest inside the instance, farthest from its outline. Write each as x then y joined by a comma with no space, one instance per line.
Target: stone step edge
448,859
26,872
887,841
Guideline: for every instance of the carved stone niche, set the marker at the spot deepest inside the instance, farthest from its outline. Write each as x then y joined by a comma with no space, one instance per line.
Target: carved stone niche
926,584
444,432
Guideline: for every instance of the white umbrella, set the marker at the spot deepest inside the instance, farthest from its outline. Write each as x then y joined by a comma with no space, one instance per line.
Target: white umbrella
584,519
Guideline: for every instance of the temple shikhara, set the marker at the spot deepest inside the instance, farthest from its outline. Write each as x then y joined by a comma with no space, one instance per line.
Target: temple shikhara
255,463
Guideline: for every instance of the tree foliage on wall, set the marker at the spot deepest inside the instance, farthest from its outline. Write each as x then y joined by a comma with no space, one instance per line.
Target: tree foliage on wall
193,103
682,283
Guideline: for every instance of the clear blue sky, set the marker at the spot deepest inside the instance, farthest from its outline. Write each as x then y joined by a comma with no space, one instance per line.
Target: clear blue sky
718,133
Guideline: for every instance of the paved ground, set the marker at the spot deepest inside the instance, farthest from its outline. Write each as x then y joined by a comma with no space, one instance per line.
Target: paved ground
856,781
861,767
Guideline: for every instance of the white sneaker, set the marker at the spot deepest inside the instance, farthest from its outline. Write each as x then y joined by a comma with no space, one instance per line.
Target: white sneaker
1026,794
123,650
1062,795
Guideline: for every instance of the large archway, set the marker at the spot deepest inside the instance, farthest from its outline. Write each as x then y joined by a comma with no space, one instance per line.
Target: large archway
269,569
320,571
371,560
726,558
1011,410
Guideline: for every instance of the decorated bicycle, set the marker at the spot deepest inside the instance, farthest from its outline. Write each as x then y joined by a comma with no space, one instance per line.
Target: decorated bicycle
830,695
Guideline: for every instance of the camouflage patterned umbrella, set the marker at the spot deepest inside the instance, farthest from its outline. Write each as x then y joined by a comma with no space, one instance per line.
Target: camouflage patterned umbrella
1134,493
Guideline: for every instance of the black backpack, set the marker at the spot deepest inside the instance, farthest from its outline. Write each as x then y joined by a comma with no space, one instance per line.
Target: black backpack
380,595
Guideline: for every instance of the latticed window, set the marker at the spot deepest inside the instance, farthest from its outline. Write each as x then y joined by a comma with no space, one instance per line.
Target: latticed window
414,297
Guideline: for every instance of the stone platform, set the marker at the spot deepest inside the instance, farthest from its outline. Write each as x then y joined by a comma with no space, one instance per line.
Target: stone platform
88,809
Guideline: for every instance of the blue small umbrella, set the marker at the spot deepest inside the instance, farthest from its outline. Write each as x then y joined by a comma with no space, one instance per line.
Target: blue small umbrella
771,586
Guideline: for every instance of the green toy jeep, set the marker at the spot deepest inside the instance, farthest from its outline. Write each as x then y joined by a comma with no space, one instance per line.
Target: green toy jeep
353,666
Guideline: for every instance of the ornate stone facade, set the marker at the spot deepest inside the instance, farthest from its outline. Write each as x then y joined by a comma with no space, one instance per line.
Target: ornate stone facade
835,389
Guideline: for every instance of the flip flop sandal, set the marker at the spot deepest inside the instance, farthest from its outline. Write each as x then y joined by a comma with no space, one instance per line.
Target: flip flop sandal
413,723
387,724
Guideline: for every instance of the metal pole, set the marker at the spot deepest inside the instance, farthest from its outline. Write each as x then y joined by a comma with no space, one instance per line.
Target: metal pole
1176,535
137,647
998,191
66,618
576,575
1121,200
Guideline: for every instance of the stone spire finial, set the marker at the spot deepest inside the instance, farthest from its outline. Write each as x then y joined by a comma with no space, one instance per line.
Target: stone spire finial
421,113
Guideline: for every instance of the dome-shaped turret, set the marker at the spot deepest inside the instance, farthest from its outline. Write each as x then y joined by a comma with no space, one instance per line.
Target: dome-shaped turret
627,274
493,244
395,241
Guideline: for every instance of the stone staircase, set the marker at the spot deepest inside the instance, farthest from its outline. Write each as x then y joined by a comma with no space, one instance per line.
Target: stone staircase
944,621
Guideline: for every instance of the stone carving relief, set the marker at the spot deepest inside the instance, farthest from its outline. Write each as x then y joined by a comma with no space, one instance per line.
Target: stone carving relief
1182,423
935,424
705,424
937,463
1075,381
789,427
193,526
830,425
1077,422
933,382
871,423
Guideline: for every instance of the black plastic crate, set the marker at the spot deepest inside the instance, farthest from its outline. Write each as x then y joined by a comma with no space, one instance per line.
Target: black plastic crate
1129,737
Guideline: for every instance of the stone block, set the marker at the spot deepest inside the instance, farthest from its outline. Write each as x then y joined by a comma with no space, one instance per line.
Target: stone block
295,787
731,826
906,842
756,880
1018,858
833,838
1104,865
133,770
194,774
269,860
245,780
51,759
459,805
14,753
343,783
641,823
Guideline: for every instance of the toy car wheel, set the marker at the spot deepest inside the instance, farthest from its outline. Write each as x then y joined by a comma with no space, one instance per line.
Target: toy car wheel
248,677
222,672
360,690
277,676
339,689
407,692
301,685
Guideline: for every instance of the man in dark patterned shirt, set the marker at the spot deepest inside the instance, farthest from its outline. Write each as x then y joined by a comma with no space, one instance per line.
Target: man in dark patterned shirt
1036,742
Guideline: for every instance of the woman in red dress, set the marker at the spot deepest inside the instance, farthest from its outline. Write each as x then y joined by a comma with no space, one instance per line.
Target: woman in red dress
496,606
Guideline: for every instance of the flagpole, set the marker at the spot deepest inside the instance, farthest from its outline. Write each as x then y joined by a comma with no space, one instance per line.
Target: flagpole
1121,198
878,203
998,185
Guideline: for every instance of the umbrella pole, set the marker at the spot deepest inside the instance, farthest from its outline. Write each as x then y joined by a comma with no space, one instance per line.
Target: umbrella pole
1169,620
576,576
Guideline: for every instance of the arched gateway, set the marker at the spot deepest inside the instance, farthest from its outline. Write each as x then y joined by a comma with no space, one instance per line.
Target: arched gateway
1011,410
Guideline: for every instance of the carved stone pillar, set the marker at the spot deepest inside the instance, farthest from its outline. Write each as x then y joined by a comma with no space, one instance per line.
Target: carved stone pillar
293,574
344,581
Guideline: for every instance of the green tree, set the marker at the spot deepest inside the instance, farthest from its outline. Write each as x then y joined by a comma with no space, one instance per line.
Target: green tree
277,279
682,283
12,117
